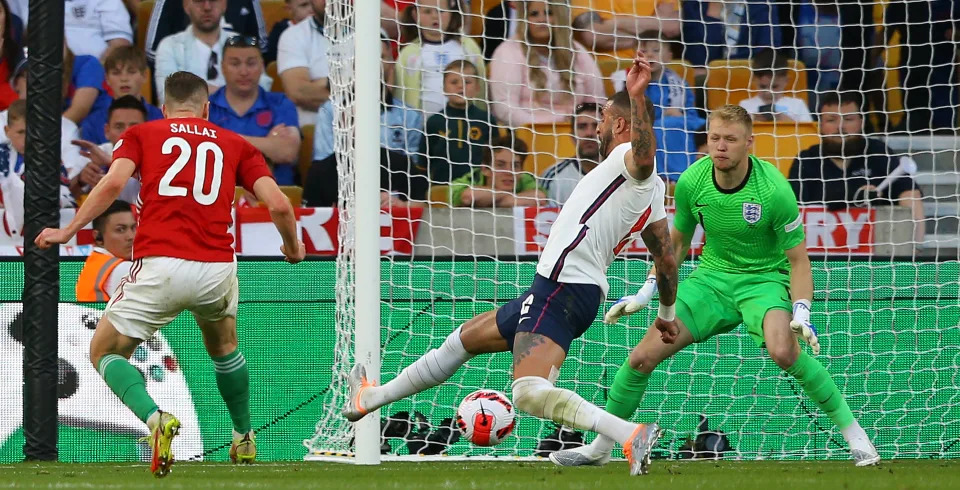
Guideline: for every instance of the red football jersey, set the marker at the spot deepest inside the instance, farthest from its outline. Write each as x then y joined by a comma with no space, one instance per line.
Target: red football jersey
189,169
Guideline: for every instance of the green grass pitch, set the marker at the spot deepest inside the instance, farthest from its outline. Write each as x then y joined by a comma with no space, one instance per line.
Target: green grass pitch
672,475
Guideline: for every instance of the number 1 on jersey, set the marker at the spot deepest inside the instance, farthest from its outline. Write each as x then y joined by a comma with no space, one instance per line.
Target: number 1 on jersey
200,170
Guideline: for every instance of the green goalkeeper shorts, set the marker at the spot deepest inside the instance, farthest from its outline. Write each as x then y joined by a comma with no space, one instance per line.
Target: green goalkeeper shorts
711,302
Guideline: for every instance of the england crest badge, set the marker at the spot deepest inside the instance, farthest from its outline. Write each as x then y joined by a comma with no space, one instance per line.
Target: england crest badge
752,212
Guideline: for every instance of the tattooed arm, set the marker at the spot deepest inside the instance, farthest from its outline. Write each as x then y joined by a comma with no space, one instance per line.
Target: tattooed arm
658,240
640,164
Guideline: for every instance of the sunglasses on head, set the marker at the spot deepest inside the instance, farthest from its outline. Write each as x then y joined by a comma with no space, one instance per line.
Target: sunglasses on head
243,41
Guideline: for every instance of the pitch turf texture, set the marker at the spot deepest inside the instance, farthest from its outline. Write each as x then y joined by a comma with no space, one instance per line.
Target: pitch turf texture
672,475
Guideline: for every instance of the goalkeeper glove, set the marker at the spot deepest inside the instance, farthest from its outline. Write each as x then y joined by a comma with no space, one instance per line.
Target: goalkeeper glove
801,326
632,304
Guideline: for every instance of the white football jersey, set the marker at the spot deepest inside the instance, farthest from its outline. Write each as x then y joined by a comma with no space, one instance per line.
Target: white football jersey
606,211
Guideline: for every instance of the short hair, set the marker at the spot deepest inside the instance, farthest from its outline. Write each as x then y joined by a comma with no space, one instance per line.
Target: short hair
241,42
126,56
185,88
621,103
732,113
840,99
17,111
507,140
459,66
100,222
127,102
768,62
650,35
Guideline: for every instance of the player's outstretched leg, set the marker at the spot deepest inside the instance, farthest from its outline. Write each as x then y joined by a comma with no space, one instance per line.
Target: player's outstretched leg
817,384
625,395
477,336
109,353
233,382
534,356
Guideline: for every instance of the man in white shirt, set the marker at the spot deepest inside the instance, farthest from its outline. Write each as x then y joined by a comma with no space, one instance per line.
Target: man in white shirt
770,83
302,64
198,49
94,27
561,178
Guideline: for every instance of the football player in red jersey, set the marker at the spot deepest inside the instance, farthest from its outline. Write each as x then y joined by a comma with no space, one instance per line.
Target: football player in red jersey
183,254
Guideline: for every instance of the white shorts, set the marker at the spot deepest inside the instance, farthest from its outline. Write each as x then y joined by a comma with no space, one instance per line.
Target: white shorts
157,289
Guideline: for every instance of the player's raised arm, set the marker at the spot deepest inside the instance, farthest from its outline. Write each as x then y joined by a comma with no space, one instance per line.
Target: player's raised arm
100,198
642,140
281,212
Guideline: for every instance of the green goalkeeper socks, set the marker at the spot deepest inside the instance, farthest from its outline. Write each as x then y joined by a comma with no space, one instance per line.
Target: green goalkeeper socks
818,385
233,381
128,384
627,391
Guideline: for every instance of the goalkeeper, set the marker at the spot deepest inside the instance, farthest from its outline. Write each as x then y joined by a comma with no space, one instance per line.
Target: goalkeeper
753,263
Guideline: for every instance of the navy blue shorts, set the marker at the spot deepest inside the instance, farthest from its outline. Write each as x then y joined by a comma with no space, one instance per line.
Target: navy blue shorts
559,311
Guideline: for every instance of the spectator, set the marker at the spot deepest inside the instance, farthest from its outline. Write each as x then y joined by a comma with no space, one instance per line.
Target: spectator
499,24
770,81
542,74
95,27
69,154
85,92
297,10
126,72
402,181
10,55
700,143
612,26
112,255
716,30
268,120
454,138
124,112
14,12
302,64
818,34
198,49
675,115
559,179
500,180
244,17
433,28
848,169
12,168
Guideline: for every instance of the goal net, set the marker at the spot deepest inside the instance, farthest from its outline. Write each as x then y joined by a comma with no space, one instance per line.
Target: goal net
885,256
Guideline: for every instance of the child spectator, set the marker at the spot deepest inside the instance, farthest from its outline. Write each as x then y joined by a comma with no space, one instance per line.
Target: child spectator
455,137
770,81
12,167
298,10
542,74
126,72
433,29
500,181
85,93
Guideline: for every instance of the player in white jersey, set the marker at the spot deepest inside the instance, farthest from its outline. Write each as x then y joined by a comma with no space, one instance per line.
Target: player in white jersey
621,198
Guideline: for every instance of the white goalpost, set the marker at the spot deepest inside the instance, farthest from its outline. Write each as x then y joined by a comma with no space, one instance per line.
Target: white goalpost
887,295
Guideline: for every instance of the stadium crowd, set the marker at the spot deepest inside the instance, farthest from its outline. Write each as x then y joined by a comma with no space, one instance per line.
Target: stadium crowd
496,103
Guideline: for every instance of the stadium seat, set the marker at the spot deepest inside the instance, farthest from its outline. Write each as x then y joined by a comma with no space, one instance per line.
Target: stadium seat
143,21
548,143
277,81
273,11
439,196
780,143
728,82
306,150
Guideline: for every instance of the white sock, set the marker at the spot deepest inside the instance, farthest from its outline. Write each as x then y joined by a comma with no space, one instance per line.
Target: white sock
431,369
537,396
857,438
153,420
602,444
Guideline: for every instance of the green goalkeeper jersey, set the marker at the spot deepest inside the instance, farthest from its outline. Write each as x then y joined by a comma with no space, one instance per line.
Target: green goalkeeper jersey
747,228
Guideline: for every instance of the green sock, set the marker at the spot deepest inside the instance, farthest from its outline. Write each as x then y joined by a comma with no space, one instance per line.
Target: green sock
128,384
818,385
627,391
233,380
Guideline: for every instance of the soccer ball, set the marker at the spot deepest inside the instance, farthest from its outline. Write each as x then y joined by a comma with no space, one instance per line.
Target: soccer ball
485,417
